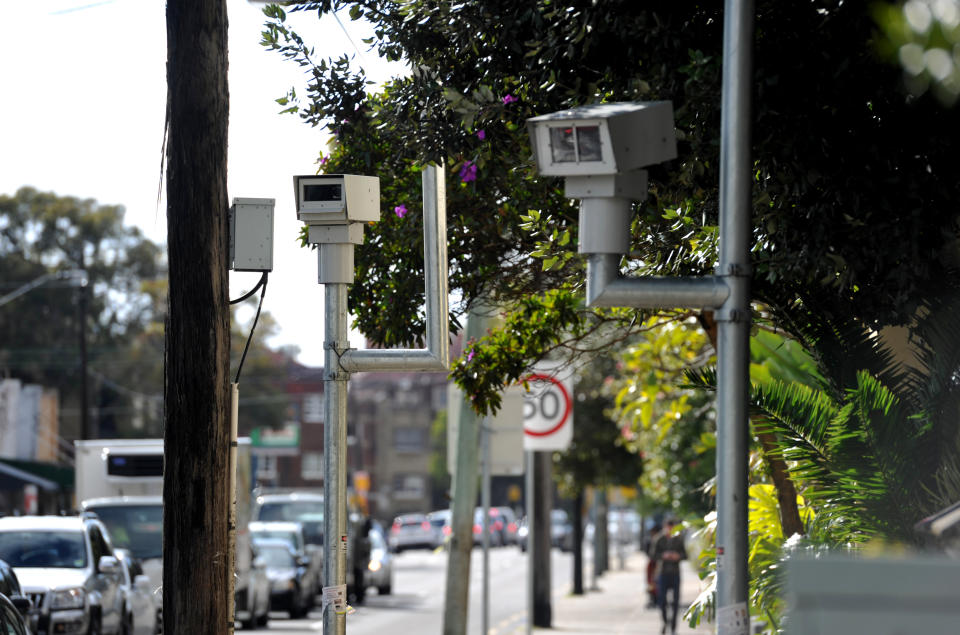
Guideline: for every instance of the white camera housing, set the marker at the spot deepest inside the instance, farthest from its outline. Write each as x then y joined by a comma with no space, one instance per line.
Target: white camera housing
337,199
602,139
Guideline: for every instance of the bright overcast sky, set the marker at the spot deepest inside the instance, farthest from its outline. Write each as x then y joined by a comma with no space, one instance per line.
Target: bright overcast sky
81,114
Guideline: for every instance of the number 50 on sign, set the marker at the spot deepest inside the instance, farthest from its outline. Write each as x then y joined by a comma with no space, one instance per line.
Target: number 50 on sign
548,409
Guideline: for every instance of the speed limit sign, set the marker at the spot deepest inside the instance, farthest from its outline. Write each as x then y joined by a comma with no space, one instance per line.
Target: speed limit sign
548,409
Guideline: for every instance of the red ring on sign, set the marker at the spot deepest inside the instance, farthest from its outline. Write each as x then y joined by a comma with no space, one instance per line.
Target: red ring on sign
568,404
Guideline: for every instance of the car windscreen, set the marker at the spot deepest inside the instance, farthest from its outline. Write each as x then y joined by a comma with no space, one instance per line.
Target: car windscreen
43,549
276,557
138,528
308,513
287,536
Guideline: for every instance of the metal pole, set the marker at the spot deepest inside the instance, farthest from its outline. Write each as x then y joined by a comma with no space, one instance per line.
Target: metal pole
335,458
531,534
232,526
578,543
540,549
485,496
596,540
84,406
734,320
464,487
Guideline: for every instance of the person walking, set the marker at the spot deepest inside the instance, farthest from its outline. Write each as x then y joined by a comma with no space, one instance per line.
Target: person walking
668,551
650,543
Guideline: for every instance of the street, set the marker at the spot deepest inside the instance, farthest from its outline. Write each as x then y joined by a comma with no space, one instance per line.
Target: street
416,603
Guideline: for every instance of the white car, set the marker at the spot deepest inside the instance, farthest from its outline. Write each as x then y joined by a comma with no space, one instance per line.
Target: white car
67,567
310,555
380,569
139,608
411,531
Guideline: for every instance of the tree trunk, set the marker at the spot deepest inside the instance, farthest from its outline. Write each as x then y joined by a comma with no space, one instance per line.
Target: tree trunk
197,575
777,468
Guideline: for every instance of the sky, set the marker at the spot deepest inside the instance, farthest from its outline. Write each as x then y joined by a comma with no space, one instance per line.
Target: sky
82,98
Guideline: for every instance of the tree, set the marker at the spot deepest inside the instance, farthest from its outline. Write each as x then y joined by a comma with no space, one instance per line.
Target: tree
40,233
197,575
671,426
853,191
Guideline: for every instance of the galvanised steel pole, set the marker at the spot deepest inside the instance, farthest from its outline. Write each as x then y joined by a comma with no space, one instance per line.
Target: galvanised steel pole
335,342
335,262
733,354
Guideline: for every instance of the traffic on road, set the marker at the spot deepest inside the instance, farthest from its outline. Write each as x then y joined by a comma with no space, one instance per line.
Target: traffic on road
415,602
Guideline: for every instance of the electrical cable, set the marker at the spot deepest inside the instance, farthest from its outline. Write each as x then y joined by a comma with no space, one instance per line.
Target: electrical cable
263,281
253,327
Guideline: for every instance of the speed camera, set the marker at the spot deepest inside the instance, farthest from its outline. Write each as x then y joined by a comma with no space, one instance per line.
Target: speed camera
602,139
337,199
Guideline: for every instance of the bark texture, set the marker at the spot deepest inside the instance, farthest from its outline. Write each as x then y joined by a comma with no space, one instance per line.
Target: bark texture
197,576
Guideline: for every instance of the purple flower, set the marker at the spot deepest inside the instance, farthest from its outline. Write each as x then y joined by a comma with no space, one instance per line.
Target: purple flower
481,135
400,210
468,172
509,99
470,355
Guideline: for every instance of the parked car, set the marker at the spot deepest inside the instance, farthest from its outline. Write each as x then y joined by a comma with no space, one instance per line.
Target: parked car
252,603
306,507
510,525
411,531
561,530
10,587
380,569
139,607
12,621
494,526
135,524
292,533
66,566
287,574
440,523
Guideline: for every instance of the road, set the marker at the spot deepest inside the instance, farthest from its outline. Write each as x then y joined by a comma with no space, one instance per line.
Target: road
416,604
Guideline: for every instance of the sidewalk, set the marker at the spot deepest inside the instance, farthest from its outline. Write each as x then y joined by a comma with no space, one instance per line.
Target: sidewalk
619,606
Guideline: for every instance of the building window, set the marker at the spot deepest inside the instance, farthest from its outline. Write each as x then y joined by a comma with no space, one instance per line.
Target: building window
409,486
311,466
410,439
313,407
266,467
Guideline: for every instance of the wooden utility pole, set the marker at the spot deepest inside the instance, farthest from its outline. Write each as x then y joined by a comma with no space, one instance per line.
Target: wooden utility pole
197,573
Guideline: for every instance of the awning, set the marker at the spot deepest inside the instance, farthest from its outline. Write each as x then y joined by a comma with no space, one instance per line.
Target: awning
16,473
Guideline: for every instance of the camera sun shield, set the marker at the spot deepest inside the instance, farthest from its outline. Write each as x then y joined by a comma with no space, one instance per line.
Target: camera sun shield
337,199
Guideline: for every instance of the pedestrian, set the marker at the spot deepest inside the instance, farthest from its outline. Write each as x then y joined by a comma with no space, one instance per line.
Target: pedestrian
652,566
668,551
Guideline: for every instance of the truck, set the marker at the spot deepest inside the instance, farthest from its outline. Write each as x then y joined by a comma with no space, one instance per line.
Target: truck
121,481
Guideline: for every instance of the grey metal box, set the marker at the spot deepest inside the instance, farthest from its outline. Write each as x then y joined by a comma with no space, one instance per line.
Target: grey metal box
251,234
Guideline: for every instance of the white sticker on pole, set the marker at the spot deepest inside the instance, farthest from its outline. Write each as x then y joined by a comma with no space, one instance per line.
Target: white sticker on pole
335,597
733,619
548,408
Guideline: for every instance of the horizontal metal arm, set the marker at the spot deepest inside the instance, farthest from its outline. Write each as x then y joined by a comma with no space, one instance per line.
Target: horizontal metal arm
436,355
606,288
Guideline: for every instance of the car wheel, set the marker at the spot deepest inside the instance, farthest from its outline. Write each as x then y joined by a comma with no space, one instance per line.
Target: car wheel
126,626
95,626
263,619
386,589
